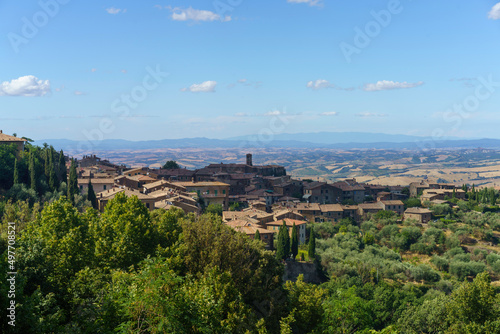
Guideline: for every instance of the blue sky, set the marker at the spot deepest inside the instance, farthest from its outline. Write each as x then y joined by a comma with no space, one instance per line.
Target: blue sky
240,67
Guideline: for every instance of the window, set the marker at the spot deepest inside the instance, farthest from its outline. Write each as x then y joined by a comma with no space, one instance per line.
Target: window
215,192
224,191
208,192
147,205
104,187
81,187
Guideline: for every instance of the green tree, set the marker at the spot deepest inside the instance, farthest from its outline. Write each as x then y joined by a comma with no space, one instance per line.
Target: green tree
16,173
171,164
306,302
91,195
473,303
124,235
72,182
32,172
312,246
62,173
295,242
281,244
257,235
215,209
345,312
7,157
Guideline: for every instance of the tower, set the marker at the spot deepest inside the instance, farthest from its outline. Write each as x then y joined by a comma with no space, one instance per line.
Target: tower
249,159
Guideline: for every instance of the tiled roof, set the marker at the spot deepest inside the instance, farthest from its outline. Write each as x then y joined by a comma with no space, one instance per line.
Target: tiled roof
394,202
97,181
331,208
288,222
7,138
201,184
111,193
418,210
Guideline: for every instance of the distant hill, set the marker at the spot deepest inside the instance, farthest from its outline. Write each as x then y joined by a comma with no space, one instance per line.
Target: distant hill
346,140
339,137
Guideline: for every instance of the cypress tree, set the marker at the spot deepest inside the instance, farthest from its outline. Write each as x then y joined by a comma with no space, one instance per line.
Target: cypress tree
47,163
257,235
92,197
295,242
62,173
72,182
32,171
53,180
16,173
286,238
280,246
312,246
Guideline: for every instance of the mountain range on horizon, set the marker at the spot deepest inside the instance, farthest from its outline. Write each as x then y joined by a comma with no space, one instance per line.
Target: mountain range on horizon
328,140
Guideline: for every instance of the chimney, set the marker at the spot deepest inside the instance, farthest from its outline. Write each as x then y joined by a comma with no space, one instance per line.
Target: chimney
249,159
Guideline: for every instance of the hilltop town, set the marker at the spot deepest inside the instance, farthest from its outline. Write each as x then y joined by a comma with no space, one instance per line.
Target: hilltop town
253,197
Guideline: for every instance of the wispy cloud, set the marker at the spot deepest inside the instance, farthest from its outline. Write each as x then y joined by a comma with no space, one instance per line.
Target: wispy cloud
329,113
323,84
275,113
319,84
114,11
308,2
389,85
79,93
245,82
369,114
197,15
204,87
241,114
494,13
28,85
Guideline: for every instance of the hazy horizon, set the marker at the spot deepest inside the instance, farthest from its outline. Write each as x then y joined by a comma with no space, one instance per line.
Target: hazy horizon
177,69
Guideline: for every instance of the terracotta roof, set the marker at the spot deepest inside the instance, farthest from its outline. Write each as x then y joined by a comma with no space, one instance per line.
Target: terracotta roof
308,206
201,184
288,222
418,210
371,206
246,227
331,208
392,202
312,185
111,193
7,138
97,181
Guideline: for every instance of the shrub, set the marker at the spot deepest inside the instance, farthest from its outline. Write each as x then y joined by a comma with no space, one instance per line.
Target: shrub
440,262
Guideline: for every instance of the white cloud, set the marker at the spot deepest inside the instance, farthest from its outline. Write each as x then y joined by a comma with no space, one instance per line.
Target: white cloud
241,114
179,14
28,85
93,70
494,13
204,87
275,113
369,114
124,71
388,85
114,11
242,80
78,93
319,84
309,2
329,113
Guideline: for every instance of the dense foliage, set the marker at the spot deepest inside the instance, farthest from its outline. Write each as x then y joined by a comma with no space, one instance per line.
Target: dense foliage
130,270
